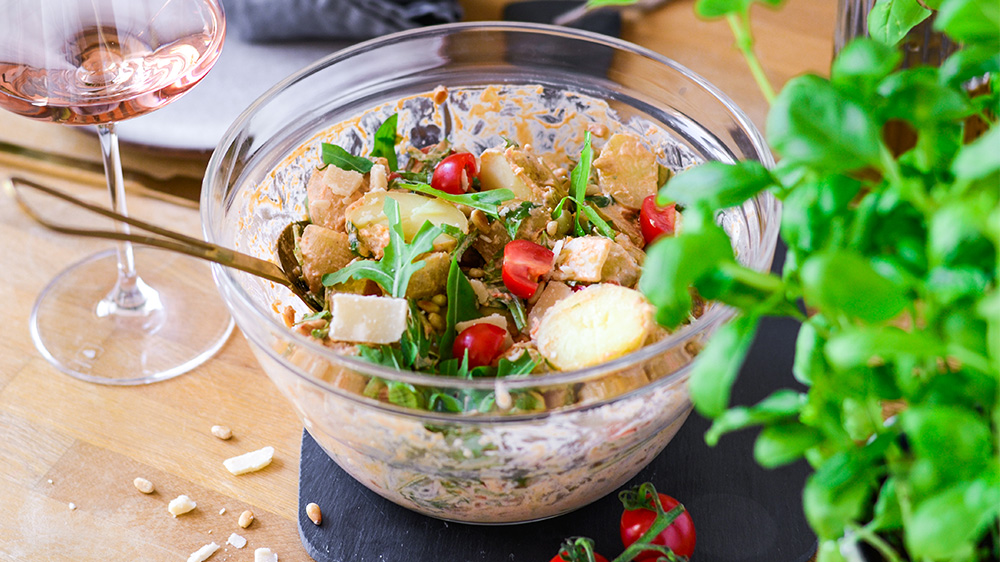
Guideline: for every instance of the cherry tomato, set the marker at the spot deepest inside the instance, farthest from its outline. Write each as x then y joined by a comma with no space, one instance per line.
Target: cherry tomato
483,341
597,558
656,221
524,262
454,173
679,536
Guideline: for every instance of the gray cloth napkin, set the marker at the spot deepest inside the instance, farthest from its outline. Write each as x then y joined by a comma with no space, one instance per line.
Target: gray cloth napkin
288,20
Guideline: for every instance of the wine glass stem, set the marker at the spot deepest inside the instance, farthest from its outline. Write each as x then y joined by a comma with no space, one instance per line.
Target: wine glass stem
130,294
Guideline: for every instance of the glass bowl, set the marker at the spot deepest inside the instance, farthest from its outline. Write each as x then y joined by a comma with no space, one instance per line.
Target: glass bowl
530,83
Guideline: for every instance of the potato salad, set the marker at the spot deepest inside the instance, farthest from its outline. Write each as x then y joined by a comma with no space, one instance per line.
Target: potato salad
492,264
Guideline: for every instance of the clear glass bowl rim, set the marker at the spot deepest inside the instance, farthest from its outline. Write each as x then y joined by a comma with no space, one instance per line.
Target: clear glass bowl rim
237,297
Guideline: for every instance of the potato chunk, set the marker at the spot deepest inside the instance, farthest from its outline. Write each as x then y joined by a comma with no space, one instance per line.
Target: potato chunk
627,170
594,325
520,171
323,251
414,210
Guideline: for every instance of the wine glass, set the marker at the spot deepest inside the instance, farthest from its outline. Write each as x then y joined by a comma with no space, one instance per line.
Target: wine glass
97,62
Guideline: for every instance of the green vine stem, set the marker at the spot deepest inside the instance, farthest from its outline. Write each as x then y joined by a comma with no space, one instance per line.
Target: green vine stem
744,41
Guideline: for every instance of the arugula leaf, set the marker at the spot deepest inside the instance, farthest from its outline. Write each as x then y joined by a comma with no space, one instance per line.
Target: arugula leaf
385,142
513,219
486,201
337,156
414,343
320,315
462,305
397,265
579,178
523,365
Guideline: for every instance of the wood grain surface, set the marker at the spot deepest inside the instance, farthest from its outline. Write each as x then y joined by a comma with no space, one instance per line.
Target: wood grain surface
66,442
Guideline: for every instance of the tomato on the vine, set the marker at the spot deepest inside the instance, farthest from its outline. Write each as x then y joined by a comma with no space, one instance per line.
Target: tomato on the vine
524,262
679,536
455,173
483,341
656,221
597,558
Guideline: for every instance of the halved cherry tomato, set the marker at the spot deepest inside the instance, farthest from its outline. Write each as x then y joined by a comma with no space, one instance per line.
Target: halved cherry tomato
597,558
679,536
656,221
454,174
524,262
483,341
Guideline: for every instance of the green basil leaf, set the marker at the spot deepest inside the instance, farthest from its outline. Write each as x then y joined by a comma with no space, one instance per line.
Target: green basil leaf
888,515
785,443
829,551
716,185
862,64
337,156
971,61
852,348
812,124
954,238
783,404
963,434
953,284
384,145
916,96
673,263
816,214
949,525
719,8
890,20
980,158
837,494
846,282
716,367
970,21
809,357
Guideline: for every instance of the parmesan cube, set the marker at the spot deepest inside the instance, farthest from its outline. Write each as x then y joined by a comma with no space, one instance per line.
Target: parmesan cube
495,319
181,505
342,182
582,259
249,462
203,553
264,555
368,319
237,540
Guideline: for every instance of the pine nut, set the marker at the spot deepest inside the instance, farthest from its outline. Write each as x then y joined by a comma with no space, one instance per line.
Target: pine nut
440,299
315,515
222,432
143,485
246,518
436,320
428,306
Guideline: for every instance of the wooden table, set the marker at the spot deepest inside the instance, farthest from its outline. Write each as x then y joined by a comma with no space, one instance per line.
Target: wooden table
65,442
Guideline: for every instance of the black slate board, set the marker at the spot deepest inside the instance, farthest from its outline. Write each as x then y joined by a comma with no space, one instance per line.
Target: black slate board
741,511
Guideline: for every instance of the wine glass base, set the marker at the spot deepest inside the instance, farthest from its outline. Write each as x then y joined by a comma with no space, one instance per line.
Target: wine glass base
77,331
